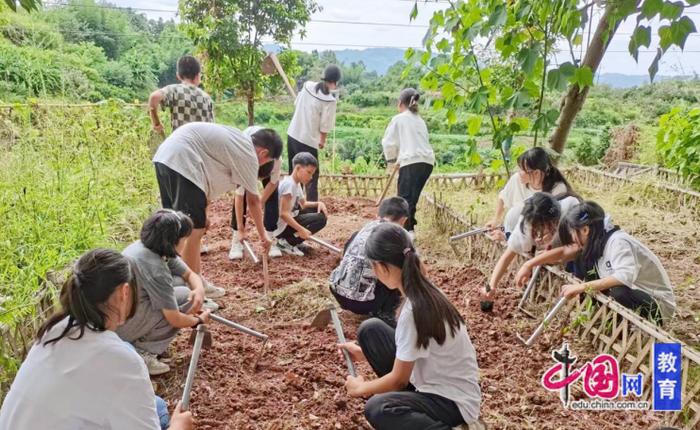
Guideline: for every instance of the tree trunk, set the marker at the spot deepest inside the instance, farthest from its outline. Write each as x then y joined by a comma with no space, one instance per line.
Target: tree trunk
251,109
574,99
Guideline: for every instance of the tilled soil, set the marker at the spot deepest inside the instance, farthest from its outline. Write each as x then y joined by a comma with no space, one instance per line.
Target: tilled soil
298,383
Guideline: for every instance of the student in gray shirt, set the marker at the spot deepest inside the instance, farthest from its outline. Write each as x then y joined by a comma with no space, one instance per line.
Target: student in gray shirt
162,308
201,161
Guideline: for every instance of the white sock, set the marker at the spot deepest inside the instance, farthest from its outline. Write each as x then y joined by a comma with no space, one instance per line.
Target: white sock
235,237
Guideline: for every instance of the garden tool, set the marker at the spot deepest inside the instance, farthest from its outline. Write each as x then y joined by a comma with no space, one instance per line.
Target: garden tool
486,305
322,319
474,232
547,319
245,330
326,244
266,274
201,338
388,184
526,293
249,250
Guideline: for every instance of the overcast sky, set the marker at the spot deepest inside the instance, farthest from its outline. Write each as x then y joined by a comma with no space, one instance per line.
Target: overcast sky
617,59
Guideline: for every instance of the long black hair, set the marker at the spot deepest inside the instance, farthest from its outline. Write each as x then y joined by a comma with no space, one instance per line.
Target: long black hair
587,214
95,276
537,159
390,244
163,230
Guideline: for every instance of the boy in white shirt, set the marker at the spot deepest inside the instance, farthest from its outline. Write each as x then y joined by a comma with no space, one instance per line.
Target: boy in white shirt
299,218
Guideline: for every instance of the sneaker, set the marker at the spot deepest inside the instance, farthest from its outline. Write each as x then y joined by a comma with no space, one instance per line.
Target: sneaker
154,366
210,305
236,252
212,291
274,251
285,247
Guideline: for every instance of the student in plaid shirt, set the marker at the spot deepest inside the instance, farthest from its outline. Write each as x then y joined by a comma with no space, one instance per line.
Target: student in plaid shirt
187,102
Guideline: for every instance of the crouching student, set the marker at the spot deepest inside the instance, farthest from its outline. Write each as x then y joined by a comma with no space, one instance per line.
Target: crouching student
611,261
353,282
164,307
535,230
426,367
78,373
298,219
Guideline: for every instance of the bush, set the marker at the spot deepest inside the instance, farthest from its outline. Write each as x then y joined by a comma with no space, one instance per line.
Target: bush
678,143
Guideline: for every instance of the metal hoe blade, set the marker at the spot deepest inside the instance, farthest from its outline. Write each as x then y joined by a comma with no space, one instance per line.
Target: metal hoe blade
547,318
249,249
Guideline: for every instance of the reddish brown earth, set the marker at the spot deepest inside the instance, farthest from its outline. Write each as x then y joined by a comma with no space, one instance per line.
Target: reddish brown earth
299,380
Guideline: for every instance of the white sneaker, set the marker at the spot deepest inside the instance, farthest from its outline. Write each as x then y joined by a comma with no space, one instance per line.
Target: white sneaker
285,247
210,305
154,366
211,291
236,252
274,251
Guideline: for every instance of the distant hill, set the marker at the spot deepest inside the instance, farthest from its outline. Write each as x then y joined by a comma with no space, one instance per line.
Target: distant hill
618,80
375,59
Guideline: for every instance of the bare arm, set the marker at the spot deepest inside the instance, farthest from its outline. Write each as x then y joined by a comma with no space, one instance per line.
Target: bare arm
179,320
286,215
573,290
196,297
255,208
395,380
153,103
501,267
322,143
561,254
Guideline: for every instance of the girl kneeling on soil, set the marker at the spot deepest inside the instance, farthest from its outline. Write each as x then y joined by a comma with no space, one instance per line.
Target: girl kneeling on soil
164,308
535,230
613,262
428,375
537,173
406,143
79,374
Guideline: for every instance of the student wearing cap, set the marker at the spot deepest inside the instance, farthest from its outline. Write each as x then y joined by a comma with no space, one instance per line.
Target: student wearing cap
201,161
314,118
269,174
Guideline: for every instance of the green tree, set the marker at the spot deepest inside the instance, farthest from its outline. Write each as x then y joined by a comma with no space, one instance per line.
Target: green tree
28,5
471,39
230,35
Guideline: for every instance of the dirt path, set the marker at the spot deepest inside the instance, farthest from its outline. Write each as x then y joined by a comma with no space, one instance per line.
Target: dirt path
299,382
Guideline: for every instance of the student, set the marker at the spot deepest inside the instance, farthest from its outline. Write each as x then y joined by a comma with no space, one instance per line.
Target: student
537,173
199,162
612,261
406,142
79,374
427,370
535,230
353,282
163,307
298,218
313,119
270,175
186,101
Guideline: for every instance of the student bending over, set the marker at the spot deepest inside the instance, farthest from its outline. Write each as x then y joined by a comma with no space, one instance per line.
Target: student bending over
353,282
535,230
613,262
79,374
164,308
537,173
426,368
299,219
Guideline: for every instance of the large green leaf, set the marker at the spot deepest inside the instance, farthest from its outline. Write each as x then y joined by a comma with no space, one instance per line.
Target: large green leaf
527,58
583,77
650,8
671,10
654,66
640,37
498,17
474,125
681,29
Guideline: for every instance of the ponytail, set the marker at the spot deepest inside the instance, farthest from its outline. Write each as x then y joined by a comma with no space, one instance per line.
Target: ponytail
322,86
96,275
409,98
390,244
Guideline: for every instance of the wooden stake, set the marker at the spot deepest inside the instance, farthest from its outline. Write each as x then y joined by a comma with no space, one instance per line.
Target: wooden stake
388,184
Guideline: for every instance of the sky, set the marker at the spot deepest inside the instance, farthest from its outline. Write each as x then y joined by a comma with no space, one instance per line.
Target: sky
334,35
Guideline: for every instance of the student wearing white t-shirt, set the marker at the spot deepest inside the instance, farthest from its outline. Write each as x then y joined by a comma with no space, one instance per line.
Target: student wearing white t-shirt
406,142
537,173
427,371
299,218
269,174
536,229
612,262
79,374
199,162
313,119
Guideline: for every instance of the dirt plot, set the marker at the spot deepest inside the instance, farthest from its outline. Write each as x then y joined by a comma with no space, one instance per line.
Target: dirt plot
300,377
